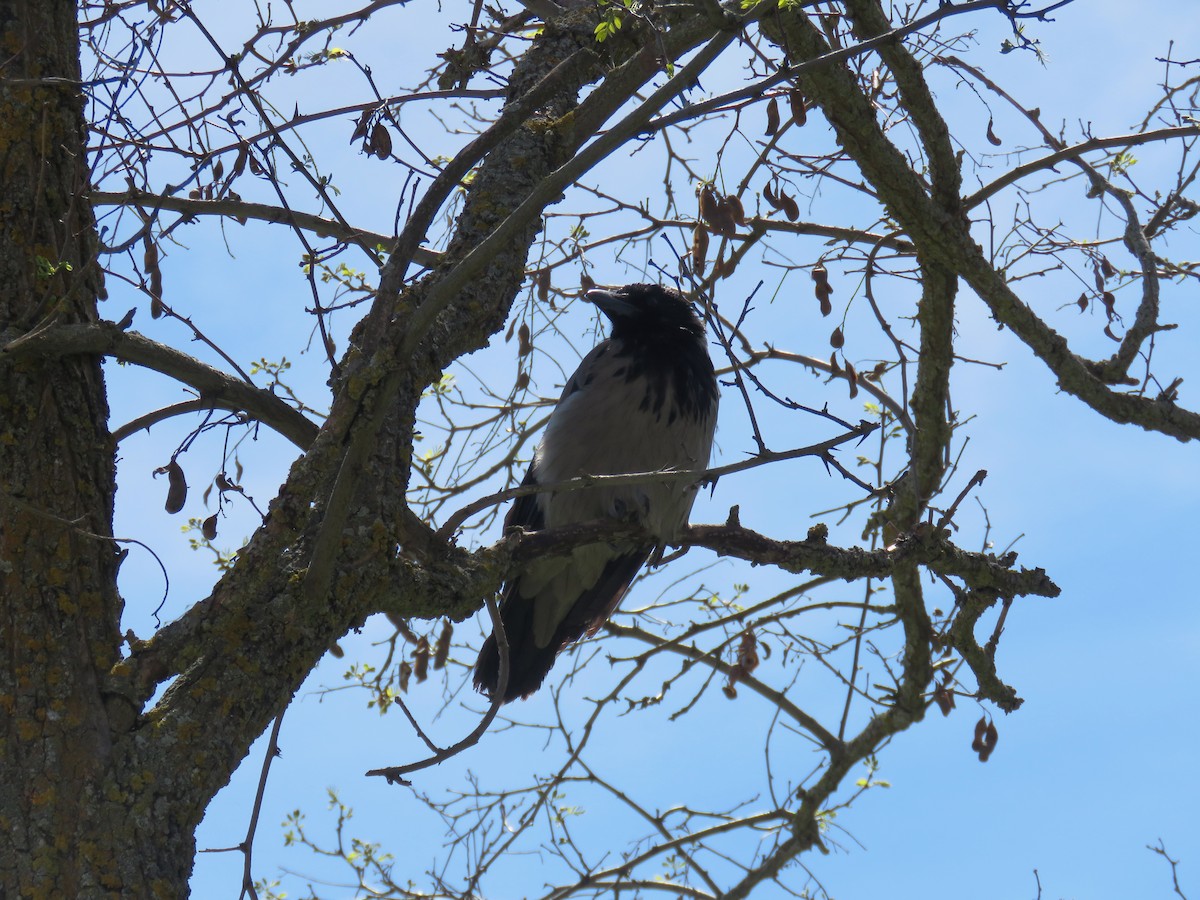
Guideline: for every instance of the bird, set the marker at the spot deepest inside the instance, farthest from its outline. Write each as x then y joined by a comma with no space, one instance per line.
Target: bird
643,400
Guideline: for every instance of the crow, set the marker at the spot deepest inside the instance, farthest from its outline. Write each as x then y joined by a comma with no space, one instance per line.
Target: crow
643,400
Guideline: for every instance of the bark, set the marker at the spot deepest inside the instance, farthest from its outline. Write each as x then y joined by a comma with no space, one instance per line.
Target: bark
59,630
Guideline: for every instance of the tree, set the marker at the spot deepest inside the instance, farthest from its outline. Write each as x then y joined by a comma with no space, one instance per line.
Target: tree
115,741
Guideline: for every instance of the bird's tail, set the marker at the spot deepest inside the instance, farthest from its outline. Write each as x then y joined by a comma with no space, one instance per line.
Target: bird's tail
528,664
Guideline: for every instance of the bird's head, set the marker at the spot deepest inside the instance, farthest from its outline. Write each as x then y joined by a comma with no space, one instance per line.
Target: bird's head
646,309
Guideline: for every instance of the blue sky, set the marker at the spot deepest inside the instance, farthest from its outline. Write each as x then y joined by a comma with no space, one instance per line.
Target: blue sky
1098,762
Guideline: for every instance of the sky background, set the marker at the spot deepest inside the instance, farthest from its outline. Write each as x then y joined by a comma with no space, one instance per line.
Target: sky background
1100,760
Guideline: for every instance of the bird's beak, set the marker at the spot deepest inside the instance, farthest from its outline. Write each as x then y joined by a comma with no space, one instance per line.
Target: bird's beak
611,304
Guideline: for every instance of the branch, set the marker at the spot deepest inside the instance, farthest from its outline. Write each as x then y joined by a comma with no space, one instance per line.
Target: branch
822,449
1072,153
220,390
263,212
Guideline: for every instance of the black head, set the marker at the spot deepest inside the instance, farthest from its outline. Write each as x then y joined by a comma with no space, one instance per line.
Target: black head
661,339
639,310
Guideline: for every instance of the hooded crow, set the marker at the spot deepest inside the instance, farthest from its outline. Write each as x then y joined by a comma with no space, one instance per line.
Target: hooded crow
643,400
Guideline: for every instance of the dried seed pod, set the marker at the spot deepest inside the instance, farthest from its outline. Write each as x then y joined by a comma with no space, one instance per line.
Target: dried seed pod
524,345
380,143
769,195
209,528
442,650
772,116
421,660
1082,302
736,209
405,674
1106,268
980,730
522,381
747,656
239,165
699,248
543,284
709,205
360,127
1110,303
176,487
799,110
837,339
723,220
852,378
944,699
789,207
154,273
991,135
336,651
218,169
729,691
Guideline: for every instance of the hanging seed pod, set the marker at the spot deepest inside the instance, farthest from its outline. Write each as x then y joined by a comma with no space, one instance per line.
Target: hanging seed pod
699,248
747,656
789,207
837,339
405,674
944,699
796,101
724,222
421,660
360,127
380,143
1110,304
524,345
522,381
442,651
769,195
709,206
822,288
772,116
239,164
980,730
736,209
852,379
176,487
1082,302
543,284
154,273
209,528
991,135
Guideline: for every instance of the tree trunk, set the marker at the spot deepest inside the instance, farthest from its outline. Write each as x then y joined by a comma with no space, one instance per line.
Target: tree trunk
64,831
